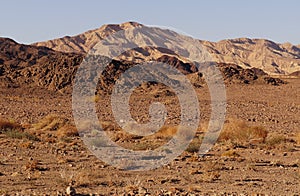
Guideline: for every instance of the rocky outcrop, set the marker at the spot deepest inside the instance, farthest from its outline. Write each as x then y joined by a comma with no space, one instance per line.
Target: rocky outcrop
22,65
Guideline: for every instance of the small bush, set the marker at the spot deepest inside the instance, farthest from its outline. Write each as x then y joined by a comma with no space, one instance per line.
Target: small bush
50,123
231,153
239,132
21,135
67,131
95,98
194,146
275,140
6,125
15,130
166,132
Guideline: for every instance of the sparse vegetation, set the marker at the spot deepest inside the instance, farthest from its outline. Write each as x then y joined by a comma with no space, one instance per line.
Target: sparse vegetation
239,132
275,140
95,98
166,132
194,146
67,131
14,130
6,125
50,123
230,153
21,135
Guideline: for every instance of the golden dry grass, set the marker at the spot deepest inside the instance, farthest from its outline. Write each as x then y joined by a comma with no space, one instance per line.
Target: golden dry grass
67,131
275,139
230,153
239,132
14,130
166,132
50,123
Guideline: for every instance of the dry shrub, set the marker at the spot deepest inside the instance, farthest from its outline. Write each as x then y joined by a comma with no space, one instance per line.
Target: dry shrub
15,130
275,140
88,126
231,153
67,131
84,178
6,125
95,98
194,146
166,132
16,134
50,123
239,132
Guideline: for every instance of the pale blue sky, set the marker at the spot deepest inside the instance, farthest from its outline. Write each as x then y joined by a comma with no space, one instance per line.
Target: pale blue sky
37,20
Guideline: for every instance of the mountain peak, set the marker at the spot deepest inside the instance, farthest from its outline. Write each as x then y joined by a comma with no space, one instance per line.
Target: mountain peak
130,24
264,54
117,27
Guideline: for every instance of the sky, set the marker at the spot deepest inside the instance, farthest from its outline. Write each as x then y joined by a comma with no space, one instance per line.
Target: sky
39,20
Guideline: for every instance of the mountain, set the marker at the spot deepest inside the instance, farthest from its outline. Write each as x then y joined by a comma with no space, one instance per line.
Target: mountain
273,58
22,65
264,54
82,43
37,66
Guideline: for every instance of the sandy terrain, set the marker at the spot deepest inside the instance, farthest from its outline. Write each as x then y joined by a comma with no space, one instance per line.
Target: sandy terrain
48,163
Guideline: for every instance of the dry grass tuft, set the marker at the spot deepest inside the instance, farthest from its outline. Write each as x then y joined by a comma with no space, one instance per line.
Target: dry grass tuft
14,130
194,146
50,123
67,131
16,134
166,132
6,125
241,133
231,153
275,140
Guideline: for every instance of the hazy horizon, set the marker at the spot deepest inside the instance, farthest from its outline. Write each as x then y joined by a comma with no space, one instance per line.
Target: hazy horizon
32,21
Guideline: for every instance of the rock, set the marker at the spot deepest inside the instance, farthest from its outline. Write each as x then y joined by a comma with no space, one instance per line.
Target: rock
142,191
14,174
70,191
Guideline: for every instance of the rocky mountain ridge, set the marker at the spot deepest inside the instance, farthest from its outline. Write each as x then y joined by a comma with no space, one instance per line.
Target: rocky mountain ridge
273,58
35,66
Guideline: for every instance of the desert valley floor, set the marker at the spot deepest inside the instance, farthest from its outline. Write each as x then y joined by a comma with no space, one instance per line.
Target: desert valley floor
42,159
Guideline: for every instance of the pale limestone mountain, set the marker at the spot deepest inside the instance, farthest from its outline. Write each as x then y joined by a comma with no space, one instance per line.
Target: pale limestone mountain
82,43
264,54
273,58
